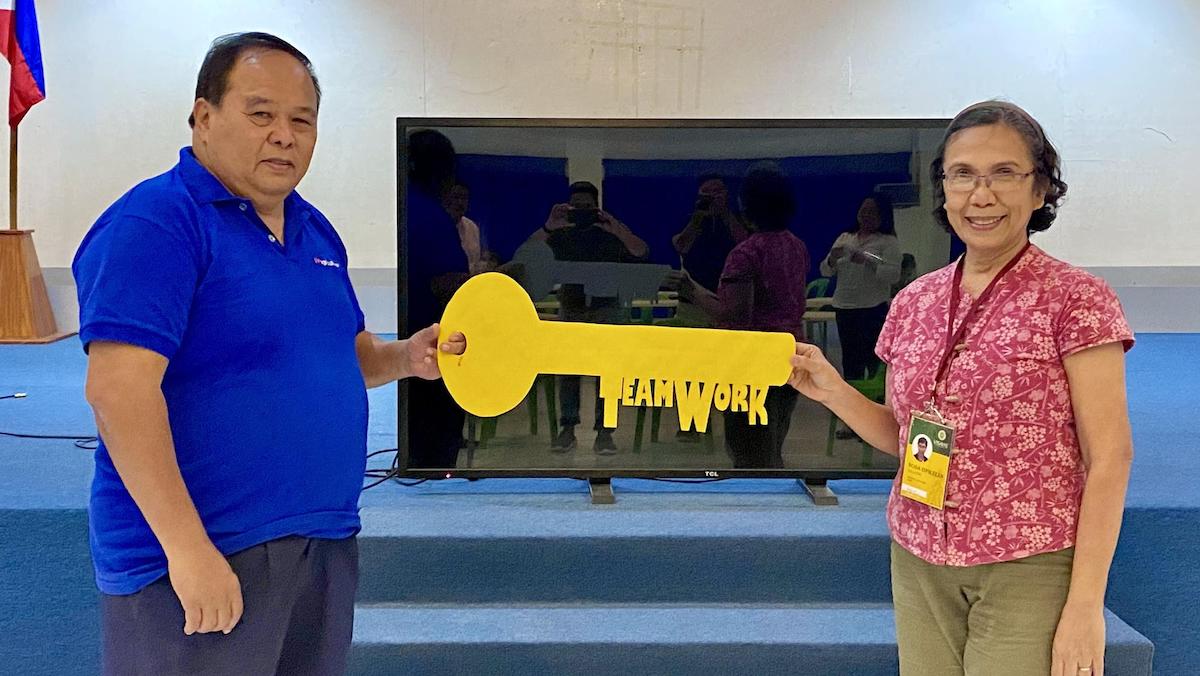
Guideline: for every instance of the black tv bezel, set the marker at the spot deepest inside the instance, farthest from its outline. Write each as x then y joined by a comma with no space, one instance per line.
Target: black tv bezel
404,124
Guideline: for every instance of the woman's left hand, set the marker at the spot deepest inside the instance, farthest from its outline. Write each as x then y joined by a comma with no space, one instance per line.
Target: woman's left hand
813,375
1079,642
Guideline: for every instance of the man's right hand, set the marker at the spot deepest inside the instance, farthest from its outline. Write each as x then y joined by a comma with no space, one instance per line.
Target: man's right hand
208,590
557,219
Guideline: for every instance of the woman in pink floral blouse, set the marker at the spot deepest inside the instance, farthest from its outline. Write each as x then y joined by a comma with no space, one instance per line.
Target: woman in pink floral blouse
1022,355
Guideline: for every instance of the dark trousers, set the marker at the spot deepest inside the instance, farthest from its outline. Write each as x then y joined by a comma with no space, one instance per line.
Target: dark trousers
603,311
859,331
761,446
298,595
435,424
568,403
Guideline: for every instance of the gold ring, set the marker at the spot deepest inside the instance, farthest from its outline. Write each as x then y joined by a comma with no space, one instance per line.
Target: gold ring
1085,670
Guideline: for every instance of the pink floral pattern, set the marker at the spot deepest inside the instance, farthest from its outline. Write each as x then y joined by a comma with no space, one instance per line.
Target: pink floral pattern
1018,475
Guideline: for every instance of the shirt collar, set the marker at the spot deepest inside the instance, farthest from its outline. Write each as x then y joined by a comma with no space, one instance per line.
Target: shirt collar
206,189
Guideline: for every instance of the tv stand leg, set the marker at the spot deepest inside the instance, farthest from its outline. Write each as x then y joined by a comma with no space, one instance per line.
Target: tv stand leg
601,490
819,492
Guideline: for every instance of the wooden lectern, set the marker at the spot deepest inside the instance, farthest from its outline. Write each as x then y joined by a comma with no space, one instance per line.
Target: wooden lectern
25,313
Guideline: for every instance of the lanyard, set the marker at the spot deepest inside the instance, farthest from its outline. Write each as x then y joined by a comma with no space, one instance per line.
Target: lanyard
954,337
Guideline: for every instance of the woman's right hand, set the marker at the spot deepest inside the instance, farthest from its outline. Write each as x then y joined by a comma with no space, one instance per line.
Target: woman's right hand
813,375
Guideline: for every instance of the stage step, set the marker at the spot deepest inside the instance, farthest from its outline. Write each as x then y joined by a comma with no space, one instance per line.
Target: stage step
662,548
744,541
625,639
624,570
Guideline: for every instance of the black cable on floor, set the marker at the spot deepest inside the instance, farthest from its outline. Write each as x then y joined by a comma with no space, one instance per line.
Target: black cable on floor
90,443
383,475
87,443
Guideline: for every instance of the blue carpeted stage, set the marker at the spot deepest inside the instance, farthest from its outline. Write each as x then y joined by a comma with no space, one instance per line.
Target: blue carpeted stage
521,576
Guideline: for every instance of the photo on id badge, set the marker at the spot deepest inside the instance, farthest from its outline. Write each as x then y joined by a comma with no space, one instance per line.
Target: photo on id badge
926,461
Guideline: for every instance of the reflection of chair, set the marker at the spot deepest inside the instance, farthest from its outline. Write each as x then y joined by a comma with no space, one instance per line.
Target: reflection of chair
817,287
816,319
487,426
873,388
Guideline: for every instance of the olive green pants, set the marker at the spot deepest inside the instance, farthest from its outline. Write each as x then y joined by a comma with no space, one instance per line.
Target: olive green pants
996,618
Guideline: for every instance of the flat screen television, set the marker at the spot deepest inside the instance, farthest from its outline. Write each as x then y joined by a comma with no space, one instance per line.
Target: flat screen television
476,195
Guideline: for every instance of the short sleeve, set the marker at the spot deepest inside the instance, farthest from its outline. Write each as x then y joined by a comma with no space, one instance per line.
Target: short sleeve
135,280
1091,316
739,266
359,318
826,268
888,271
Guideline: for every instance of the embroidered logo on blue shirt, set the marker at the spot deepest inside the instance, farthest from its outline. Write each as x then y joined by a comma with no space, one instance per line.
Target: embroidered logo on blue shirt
326,262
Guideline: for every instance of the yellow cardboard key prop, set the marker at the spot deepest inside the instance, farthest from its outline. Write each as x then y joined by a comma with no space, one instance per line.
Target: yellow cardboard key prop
508,346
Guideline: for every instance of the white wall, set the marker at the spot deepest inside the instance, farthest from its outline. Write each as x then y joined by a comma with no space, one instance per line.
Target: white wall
1116,84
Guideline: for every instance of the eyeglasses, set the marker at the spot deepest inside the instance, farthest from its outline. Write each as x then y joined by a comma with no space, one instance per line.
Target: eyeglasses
1000,181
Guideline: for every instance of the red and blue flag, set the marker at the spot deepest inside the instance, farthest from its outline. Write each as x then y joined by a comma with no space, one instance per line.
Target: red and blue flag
20,45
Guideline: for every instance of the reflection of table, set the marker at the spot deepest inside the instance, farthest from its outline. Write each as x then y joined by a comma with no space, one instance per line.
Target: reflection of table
542,272
642,308
816,322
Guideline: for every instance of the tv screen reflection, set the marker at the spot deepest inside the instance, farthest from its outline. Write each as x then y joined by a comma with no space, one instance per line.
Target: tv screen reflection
669,224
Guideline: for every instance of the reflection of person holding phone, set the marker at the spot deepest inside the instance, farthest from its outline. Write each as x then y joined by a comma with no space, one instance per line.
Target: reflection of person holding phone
581,231
921,448
761,289
712,230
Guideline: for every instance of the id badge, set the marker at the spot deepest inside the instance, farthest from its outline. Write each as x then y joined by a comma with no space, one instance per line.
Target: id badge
926,460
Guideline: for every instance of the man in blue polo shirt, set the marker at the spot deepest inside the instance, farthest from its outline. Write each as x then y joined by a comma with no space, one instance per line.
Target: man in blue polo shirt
227,368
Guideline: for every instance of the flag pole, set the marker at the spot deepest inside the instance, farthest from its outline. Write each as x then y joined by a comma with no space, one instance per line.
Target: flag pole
12,178
27,315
